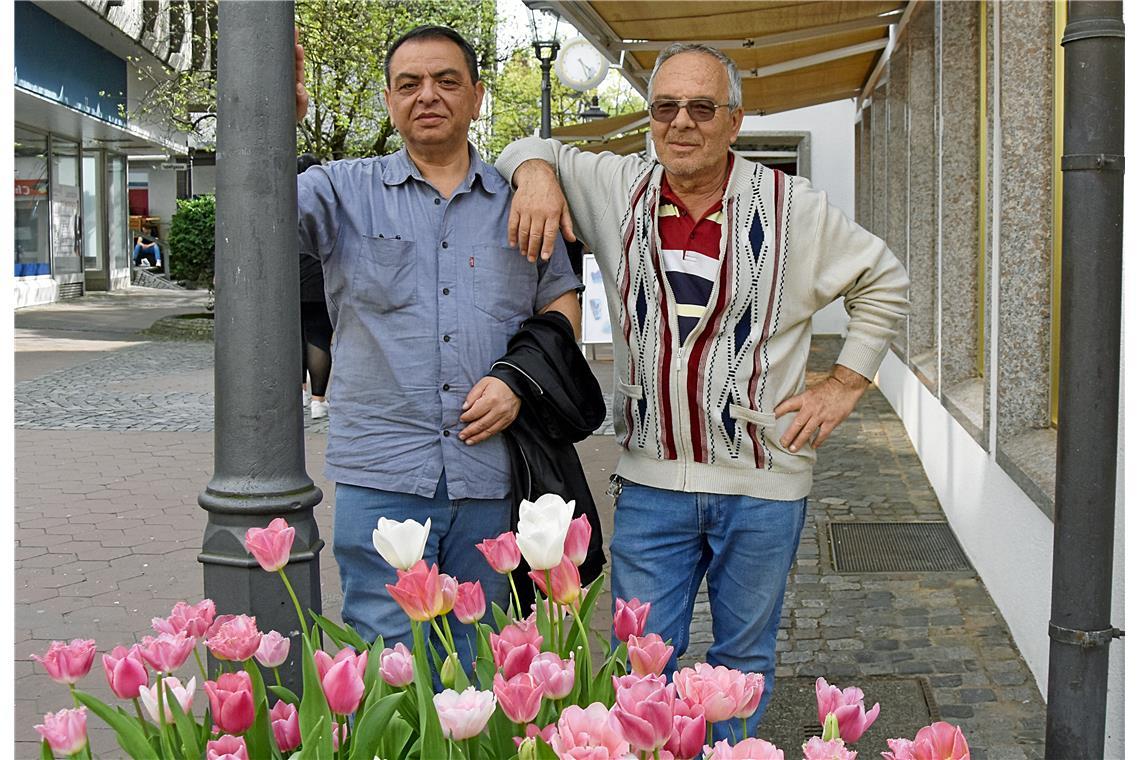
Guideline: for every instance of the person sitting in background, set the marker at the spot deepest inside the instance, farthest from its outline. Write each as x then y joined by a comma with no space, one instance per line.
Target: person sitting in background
146,249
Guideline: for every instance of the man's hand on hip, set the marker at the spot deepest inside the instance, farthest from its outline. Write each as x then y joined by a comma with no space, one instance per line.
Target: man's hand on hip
538,210
821,407
489,408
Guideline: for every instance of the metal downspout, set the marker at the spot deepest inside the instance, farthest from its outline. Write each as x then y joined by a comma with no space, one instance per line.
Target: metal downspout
1080,627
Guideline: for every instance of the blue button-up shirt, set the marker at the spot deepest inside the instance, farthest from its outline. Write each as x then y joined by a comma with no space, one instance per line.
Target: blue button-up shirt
424,294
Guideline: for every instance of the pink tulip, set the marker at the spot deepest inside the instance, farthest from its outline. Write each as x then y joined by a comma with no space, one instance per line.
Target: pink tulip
644,708
271,545
463,715
720,690
273,650
753,691
340,733
397,667
553,674
234,637
749,749
227,748
342,678
577,540
648,655
231,702
65,731
520,697
470,604
502,553
901,749
847,705
184,695
166,652
564,578
532,730
67,663
515,647
421,592
125,671
194,620
629,618
689,729
286,726
940,741
590,733
817,749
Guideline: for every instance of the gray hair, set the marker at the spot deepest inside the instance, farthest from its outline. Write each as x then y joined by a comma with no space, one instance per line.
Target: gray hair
735,98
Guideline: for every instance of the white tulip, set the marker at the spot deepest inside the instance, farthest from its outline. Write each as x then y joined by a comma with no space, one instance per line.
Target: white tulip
541,533
184,695
401,544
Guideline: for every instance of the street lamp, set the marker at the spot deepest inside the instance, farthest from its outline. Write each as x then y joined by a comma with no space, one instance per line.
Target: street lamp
544,30
594,112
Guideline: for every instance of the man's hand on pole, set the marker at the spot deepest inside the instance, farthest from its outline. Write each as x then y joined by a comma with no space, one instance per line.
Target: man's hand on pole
489,408
821,407
299,76
538,210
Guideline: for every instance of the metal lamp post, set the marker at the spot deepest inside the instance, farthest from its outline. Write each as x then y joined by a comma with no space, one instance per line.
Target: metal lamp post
259,453
544,30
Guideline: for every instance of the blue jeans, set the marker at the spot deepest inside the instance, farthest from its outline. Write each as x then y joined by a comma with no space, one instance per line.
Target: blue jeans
665,542
456,526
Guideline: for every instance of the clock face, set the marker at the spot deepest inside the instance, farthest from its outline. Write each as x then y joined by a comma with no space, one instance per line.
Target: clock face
579,66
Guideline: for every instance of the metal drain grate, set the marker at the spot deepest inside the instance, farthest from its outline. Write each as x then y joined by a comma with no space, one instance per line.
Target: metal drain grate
903,547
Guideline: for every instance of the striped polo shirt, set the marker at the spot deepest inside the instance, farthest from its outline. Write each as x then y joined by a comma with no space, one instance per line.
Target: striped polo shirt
690,254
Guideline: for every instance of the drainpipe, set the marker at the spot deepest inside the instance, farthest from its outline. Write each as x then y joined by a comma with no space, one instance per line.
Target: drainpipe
1091,260
259,449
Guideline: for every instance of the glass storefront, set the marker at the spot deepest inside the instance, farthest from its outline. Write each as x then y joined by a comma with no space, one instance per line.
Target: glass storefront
31,229
92,192
117,239
66,197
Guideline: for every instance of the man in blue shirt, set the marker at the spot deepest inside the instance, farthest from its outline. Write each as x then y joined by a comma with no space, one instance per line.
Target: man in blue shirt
424,294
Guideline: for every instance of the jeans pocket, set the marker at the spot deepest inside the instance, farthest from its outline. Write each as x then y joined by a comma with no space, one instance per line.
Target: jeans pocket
385,273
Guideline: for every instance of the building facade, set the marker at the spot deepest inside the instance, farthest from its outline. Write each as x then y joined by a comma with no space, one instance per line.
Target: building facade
957,154
76,143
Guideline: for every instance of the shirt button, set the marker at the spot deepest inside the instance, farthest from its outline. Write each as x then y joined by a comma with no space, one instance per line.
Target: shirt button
447,291
446,387
437,201
444,243
446,338
446,433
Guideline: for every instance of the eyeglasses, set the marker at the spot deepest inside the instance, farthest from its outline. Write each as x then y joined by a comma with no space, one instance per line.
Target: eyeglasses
700,109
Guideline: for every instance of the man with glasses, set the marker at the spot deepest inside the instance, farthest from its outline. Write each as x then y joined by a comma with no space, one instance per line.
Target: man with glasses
713,267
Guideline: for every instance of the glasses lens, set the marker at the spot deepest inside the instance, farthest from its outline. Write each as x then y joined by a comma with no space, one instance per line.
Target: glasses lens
702,110
664,110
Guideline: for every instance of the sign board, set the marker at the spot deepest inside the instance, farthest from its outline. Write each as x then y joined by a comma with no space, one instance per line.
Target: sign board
595,311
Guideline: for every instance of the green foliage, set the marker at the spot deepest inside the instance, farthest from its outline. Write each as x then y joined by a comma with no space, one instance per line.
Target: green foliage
192,241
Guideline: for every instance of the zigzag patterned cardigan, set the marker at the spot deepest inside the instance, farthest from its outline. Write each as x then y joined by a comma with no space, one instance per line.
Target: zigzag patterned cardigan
697,416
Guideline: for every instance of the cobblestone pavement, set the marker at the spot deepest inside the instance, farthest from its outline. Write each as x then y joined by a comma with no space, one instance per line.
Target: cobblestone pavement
112,452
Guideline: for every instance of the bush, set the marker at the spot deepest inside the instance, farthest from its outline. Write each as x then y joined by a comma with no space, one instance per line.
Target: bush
192,241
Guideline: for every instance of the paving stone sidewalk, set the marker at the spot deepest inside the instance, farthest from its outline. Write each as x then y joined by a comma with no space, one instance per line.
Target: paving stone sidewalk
112,453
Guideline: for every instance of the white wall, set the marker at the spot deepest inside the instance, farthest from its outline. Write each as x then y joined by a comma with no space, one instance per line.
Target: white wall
832,169
162,194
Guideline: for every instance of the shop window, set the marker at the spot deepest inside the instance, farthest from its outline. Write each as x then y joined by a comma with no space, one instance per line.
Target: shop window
31,231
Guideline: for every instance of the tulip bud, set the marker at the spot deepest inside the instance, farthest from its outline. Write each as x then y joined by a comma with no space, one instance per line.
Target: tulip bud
447,673
830,727
528,750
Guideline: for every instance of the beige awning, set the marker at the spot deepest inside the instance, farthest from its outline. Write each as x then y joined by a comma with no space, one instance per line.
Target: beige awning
601,129
623,146
790,54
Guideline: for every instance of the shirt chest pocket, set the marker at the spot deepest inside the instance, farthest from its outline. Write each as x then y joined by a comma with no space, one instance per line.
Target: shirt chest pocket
504,283
385,273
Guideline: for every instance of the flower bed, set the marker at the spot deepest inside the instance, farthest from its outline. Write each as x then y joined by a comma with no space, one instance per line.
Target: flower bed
532,692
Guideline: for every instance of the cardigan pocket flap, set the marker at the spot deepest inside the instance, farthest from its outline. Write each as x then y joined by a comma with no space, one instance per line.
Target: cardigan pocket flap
631,391
763,419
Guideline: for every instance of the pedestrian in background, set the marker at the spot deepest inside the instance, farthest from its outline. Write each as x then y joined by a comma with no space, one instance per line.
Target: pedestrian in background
316,327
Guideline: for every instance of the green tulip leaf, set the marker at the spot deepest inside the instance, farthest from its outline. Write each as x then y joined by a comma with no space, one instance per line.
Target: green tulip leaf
185,727
259,738
284,694
314,709
343,635
372,727
432,743
127,730
502,619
